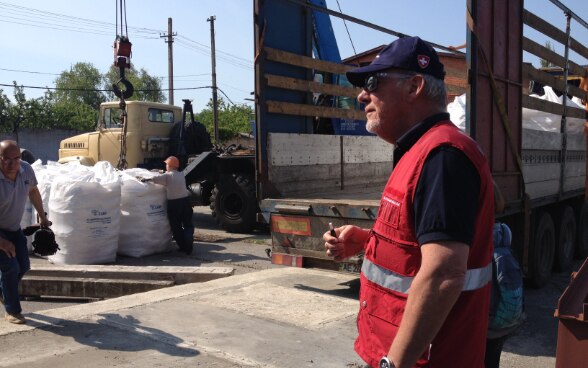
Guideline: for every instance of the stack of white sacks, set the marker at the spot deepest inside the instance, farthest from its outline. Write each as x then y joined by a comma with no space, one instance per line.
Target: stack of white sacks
532,119
98,212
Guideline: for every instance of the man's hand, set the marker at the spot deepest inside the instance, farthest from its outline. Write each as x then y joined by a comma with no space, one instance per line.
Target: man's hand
45,222
349,241
7,247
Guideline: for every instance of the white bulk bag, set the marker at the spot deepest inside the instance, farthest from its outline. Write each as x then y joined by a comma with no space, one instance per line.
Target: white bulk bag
144,226
84,207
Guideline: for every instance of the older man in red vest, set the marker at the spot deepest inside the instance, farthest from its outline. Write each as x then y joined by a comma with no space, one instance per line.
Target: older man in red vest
425,278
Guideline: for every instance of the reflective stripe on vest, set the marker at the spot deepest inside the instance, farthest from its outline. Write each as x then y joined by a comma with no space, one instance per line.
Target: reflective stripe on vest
475,278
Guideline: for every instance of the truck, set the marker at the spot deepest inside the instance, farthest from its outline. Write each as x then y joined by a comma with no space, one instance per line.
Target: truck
306,180
314,163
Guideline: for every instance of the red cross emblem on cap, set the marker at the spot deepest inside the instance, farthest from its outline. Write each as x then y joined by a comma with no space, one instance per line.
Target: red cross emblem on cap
423,61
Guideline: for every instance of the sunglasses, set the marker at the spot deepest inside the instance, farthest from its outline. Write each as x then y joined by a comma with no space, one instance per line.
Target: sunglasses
372,80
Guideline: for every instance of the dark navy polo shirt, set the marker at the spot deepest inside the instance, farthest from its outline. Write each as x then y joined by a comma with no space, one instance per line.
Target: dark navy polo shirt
446,197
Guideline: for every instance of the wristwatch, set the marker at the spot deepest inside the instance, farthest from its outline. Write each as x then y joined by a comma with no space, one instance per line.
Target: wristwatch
386,363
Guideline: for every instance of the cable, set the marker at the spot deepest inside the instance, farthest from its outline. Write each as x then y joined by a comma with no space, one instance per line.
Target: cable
28,71
347,29
98,90
232,103
33,17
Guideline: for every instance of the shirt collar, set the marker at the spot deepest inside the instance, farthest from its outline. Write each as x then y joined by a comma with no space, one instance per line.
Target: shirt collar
408,139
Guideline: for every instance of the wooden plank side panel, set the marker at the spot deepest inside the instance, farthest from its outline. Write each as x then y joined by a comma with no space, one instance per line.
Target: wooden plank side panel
531,73
544,53
310,86
553,32
289,108
305,61
553,108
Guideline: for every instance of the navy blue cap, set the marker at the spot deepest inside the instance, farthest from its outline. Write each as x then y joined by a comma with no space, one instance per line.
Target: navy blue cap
408,53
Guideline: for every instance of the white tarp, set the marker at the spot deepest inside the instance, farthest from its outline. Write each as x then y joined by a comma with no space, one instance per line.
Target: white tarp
144,226
84,206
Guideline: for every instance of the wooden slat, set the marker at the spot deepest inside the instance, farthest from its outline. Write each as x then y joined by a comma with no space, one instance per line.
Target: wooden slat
549,80
455,90
555,33
546,54
310,86
288,108
552,107
305,61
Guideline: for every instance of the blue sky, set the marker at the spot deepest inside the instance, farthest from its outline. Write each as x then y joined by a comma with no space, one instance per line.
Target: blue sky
42,38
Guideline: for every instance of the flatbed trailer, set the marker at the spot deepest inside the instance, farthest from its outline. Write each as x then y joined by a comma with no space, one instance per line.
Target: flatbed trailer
306,180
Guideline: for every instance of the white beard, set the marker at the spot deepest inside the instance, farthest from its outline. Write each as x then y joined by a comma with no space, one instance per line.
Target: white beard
372,126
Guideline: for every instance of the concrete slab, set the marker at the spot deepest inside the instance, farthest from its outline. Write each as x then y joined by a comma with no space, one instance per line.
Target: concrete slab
99,281
87,287
180,274
284,317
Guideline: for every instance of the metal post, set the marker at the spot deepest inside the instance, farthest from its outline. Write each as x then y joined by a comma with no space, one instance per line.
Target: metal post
170,59
563,128
214,91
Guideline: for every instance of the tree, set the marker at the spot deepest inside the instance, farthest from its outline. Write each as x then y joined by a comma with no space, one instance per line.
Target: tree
147,88
80,85
546,63
5,118
232,119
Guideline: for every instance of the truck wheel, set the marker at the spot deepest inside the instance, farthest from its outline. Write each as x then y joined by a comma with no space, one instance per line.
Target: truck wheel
542,249
582,241
234,204
566,239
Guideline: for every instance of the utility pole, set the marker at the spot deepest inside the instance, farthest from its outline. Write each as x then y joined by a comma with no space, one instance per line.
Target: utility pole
214,92
170,59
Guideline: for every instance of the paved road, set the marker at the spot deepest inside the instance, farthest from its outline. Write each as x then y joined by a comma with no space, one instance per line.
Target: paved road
533,346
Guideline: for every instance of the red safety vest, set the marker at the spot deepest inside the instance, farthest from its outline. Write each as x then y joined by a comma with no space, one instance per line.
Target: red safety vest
393,258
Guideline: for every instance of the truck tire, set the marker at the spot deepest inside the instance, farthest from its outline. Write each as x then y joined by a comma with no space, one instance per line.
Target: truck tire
234,204
542,251
566,239
582,240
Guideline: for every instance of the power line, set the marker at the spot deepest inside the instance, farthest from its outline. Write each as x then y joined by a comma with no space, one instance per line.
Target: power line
30,13
219,51
97,90
27,71
205,50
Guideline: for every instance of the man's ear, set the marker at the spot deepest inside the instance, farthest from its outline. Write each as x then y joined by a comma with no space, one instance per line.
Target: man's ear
416,84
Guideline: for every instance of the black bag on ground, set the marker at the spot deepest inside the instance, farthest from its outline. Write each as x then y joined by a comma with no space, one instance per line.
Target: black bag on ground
44,243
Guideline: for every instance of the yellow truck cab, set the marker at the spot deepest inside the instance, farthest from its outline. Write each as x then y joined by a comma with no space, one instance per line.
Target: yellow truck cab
149,125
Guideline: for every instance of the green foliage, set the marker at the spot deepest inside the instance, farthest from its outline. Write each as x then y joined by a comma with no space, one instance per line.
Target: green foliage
232,119
44,113
80,85
75,104
147,88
